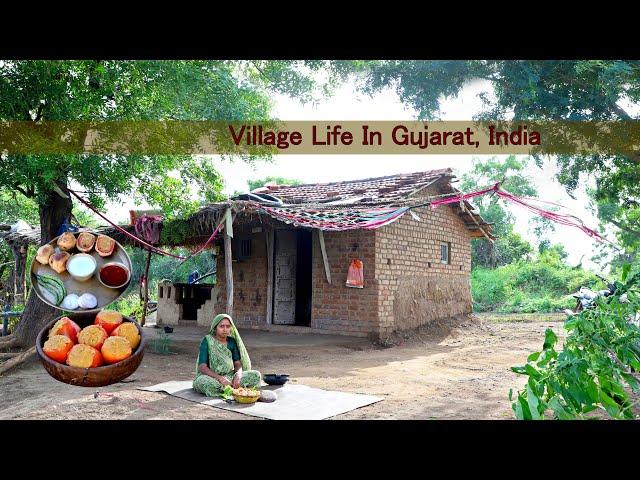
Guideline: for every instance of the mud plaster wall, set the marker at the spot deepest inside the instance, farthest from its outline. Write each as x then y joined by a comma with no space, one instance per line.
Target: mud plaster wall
336,307
414,287
249,281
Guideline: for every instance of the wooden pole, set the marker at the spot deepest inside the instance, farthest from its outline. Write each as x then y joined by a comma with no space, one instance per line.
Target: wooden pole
464,209
228,260
325,260
269,237
228,273
145,303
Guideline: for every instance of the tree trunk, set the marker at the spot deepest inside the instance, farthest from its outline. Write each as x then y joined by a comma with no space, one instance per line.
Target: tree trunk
36,313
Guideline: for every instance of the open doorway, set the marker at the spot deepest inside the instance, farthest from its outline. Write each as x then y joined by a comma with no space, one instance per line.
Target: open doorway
292,282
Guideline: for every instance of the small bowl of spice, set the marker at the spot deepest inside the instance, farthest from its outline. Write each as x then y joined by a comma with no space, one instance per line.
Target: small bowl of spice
114,275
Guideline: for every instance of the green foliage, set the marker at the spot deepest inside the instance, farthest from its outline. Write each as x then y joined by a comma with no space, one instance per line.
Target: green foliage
129,305
261,182
544,284
161,344
596,367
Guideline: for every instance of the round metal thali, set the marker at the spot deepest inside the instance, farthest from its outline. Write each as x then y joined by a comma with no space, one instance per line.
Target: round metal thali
104,295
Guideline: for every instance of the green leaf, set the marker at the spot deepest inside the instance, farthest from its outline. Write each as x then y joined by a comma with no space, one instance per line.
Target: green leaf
632,381
626,268
550,339
560,412
532,372
533,402
533,357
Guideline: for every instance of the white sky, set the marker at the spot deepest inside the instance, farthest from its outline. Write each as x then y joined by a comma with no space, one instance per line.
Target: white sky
347,104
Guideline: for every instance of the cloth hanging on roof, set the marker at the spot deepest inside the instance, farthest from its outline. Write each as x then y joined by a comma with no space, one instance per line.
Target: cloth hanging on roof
335,220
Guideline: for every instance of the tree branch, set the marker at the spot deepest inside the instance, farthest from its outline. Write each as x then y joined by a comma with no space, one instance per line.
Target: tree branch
15,361
27,193
39,112
622,227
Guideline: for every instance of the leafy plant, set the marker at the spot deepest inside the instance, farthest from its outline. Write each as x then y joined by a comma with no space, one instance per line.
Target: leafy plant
596,367
227,393
161,344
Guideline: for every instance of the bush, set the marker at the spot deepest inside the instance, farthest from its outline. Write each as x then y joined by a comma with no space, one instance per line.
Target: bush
542,285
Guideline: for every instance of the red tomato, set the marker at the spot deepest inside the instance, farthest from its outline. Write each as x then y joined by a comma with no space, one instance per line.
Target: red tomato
84,356
129,331
93,335
116,349
67,327
108,320
58,347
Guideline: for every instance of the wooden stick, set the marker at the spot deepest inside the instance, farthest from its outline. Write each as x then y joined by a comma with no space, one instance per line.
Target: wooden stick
228,260
145,302
269,234
464,208
9,355
17,360
325,260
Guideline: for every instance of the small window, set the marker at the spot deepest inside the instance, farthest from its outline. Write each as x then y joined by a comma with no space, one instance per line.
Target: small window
245,249
445,252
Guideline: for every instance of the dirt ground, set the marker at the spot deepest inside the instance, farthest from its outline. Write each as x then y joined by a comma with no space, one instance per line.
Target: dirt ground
444,372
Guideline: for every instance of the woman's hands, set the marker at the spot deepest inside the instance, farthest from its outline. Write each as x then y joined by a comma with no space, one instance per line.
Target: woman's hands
224,382
235,383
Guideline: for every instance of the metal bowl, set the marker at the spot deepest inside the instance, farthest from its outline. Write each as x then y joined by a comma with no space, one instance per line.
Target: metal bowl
127,269
275,379
89,377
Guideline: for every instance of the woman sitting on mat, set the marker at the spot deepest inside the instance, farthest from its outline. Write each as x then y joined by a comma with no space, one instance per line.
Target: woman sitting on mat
223,360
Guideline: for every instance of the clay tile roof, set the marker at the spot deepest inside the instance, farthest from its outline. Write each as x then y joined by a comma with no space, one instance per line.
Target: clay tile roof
392,187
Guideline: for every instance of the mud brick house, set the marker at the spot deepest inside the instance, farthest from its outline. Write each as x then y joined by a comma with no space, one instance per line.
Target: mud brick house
289,249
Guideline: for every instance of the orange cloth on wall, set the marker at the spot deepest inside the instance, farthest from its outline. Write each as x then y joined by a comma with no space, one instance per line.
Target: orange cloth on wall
355,276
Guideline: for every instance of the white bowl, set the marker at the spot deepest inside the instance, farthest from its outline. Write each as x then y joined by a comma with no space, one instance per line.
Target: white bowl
85,274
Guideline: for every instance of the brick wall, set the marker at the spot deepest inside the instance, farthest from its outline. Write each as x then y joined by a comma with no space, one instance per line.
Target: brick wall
414,287
336,307
249,282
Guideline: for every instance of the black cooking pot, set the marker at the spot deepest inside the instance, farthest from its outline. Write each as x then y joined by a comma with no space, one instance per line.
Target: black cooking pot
273,379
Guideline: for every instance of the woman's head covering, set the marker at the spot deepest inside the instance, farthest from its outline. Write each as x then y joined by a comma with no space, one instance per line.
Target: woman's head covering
244,355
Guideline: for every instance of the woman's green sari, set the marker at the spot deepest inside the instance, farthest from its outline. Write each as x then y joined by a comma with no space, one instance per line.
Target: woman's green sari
221,362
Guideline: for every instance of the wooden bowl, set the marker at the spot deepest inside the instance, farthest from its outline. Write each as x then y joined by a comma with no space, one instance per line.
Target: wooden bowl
89,377
104,295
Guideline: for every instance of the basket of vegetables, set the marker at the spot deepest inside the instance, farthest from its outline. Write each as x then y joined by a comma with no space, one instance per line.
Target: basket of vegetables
246,395
90,350
82,271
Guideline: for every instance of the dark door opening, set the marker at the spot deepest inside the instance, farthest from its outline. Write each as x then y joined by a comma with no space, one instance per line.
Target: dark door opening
303,278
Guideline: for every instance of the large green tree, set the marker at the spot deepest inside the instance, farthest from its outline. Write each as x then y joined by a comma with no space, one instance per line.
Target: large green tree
130,90
509,246
540,90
